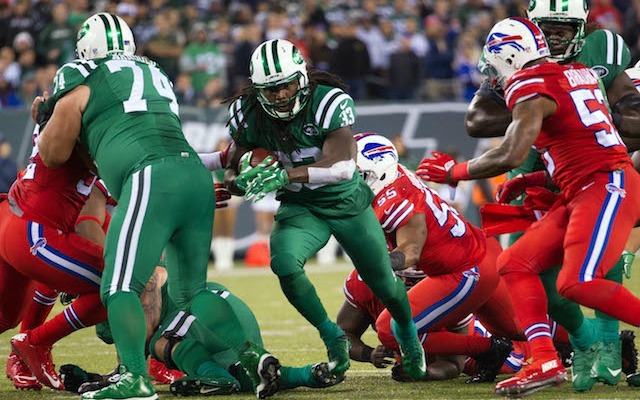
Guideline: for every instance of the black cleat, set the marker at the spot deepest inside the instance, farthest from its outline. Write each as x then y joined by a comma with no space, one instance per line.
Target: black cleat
488,364
203,386
629,352
323,378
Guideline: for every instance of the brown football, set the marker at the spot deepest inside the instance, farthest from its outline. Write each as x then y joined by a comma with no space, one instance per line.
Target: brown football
260,154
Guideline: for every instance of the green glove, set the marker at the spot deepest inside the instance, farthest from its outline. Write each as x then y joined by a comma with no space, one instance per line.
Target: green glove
247,172
268,180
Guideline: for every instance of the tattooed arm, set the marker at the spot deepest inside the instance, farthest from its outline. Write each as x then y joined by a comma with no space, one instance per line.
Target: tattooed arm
151,299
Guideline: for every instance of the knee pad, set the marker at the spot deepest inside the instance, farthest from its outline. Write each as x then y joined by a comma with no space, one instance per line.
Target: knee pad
166,353
284,264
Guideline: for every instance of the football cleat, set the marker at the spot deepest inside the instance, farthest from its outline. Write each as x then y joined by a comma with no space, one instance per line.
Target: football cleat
532,378
322,377
338,353
129,386
412,353
488,364
20,374
38,359
629,352
607,367
263,368
204,386
581,364
161,375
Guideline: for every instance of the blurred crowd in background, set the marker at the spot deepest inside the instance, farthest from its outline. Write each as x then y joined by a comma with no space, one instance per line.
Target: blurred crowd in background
384,49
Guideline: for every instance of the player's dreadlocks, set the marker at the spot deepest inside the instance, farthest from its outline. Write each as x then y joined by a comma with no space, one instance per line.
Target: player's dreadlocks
284,140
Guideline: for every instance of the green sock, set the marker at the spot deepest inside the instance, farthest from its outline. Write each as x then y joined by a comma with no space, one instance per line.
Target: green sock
217,322
302,295
295,377
585,336
563,311
125,312
609,328
189,356
329,330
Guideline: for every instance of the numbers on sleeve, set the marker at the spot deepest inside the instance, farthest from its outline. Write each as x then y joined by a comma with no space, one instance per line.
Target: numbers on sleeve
443,213
590,116
161,83
388,195
347,116
58,82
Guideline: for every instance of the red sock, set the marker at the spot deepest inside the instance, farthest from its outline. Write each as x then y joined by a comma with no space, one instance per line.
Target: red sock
530,304
85,311
38,310
449,343
608,297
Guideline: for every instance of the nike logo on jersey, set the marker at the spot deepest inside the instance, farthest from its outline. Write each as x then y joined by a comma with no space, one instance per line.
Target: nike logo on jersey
614,372
387,212
343,105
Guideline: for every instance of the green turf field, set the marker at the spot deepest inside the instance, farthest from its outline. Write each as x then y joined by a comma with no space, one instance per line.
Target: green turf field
295,342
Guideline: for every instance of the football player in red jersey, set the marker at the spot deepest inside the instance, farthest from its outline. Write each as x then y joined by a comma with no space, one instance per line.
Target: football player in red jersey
39,218
562,111
422,231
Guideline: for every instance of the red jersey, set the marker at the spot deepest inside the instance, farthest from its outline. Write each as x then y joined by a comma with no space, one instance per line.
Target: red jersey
52,196
358,294
579,139
452,245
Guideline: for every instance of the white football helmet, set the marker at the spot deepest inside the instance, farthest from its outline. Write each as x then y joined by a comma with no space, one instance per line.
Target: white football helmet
634,75
103,34
377,160
274,63
511,44
565,12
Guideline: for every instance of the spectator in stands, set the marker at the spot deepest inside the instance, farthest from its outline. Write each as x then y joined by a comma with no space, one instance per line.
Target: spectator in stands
350,59
468,78
57,41
8,166
319,51
78,13
164,47
212,94
404,71
631,31
185,93
417,40
603,13
439,59
249,37
9,78
277,23
203,59
19,21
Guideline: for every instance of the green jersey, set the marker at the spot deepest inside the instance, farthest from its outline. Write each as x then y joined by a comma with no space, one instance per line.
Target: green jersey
328,109
606,53
131,118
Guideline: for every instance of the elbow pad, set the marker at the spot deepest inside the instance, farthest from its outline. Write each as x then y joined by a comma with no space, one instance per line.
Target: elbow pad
340,171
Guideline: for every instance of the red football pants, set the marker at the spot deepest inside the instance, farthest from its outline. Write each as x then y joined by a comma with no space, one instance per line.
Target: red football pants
442,301
31,252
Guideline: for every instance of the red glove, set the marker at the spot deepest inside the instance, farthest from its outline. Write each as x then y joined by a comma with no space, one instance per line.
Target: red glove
222,195
515,187
442,168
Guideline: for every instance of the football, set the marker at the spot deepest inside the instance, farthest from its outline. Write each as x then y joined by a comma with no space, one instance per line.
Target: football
260,154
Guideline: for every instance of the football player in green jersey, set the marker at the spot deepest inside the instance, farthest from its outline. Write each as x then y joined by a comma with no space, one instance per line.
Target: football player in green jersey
122,108
305,118
564,25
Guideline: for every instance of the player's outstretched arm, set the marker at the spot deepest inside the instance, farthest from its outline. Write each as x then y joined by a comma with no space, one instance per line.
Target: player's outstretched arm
520,136
57,140
337,164
486,118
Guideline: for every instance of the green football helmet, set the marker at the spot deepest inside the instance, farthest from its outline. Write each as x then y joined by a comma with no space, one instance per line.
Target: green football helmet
274,63
562,12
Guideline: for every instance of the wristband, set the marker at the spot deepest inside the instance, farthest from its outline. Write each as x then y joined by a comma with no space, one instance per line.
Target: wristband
366,353
460,172
398,260
87,218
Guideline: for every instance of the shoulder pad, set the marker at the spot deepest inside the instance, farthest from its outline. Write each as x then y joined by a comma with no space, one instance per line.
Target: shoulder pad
71,75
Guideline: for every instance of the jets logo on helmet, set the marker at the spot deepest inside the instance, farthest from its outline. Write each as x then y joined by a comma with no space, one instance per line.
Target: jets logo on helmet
103,34
511,44
377,160
571,13
274,63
